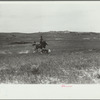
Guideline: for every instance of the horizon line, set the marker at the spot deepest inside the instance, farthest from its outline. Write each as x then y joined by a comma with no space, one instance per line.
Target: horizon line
52,31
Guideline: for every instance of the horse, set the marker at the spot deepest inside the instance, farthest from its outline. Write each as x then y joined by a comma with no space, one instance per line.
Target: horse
37,46
41,46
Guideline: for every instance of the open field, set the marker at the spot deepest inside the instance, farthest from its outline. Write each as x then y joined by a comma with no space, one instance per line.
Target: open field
75,59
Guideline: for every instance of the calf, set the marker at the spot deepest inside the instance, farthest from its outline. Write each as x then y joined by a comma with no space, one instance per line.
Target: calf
45,51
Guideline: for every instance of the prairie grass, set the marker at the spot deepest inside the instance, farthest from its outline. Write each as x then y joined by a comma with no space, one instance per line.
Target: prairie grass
68,68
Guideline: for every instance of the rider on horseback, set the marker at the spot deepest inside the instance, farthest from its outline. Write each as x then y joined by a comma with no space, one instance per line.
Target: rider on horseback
41,46
43,43
41,40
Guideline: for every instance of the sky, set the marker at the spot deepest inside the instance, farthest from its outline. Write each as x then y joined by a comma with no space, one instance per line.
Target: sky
42,16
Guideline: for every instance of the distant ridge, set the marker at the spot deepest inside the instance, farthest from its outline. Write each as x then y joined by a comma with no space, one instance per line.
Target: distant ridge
49,32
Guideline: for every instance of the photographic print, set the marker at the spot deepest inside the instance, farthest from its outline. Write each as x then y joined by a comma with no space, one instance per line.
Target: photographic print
49,42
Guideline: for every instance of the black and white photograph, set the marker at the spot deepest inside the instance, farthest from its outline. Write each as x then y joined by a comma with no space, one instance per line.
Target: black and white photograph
50,42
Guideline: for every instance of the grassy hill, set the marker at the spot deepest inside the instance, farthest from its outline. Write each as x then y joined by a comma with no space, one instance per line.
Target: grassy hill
58,41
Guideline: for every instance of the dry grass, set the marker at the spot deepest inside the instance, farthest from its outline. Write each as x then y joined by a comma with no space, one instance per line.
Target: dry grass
73,68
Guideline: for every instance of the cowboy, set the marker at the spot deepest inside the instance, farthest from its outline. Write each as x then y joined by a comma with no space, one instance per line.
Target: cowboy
41,40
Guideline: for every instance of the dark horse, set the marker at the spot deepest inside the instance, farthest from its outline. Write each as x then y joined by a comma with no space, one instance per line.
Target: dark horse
37,46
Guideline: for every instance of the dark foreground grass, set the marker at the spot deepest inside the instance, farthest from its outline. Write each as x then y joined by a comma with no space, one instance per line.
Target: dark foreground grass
73,68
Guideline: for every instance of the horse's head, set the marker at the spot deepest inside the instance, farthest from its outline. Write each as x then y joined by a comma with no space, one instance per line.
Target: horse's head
33,44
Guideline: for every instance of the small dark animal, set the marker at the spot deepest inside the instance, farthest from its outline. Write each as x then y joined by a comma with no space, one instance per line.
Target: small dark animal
45,51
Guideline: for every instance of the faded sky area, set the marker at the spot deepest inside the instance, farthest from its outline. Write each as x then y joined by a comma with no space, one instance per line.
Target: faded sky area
43,16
